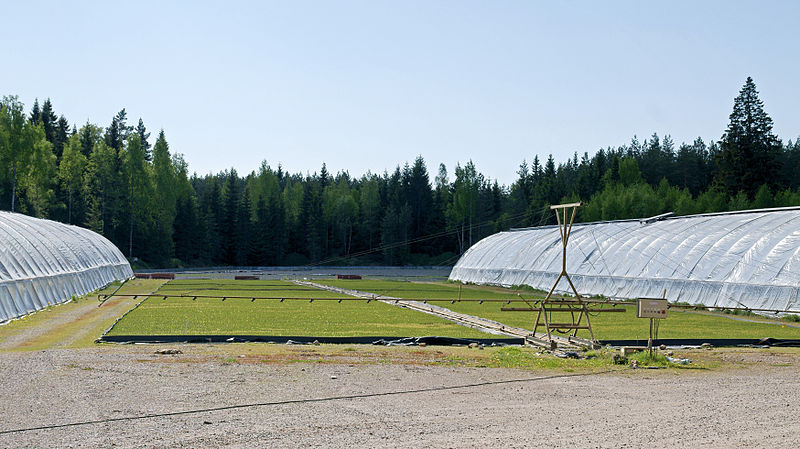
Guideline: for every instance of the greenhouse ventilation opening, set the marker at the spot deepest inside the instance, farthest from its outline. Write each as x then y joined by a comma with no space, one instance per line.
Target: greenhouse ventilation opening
736,259
43,262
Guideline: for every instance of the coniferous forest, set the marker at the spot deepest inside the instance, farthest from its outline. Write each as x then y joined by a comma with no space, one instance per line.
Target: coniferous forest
122,182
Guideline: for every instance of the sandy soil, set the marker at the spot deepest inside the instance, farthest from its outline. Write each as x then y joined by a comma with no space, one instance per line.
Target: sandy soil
754,404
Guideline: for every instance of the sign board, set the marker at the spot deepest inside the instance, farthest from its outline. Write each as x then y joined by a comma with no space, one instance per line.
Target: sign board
651,308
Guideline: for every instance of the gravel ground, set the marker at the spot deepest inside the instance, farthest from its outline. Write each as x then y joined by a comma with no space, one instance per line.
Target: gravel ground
755,406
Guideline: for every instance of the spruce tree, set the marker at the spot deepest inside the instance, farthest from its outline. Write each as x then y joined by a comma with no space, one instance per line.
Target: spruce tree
324,177
186,229
749,151
62,133
36,113
118,131
230,217
143,136
167,189
420,198
243,231
49,121
89,135
112,137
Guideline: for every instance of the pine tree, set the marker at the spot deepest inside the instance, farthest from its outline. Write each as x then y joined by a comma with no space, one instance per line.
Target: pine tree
749,151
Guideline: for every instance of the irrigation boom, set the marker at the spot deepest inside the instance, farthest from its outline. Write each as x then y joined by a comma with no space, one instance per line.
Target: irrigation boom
451,301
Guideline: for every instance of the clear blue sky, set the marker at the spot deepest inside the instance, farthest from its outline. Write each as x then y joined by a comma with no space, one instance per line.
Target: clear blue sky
371,84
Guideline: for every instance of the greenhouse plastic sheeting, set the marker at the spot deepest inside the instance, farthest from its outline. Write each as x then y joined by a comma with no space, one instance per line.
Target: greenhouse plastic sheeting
43,262
750,259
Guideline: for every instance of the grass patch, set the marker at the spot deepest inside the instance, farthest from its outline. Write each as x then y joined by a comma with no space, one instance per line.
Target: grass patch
241,316
607,326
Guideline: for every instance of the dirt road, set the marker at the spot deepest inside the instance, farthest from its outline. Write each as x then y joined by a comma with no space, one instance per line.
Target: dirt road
317,403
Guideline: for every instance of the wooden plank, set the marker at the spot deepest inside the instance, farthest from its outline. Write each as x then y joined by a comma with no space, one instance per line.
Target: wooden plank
563,206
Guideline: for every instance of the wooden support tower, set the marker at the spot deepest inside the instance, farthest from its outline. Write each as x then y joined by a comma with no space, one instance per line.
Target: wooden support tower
565,216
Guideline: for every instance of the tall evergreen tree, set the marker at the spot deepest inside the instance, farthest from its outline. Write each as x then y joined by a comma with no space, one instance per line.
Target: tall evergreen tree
89,135
370,210
167,188
49,121
62,133
243,231
36,113
118,131
324,177
139,195
230,217
420,198
749,150
143,137
211,216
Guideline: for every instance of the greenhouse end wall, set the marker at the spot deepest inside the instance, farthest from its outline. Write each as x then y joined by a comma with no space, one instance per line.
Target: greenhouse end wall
43,262
742,259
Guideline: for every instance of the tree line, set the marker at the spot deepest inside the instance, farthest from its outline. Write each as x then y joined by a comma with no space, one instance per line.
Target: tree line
142,197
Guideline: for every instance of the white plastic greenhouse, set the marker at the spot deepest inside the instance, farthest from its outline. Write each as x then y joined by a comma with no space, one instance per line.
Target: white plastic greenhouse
738,259
44,262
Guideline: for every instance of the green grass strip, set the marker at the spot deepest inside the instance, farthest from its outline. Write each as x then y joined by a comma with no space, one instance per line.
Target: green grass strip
234,316
606,326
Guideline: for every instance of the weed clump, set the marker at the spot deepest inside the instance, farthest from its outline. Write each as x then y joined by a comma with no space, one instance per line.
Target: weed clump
645,359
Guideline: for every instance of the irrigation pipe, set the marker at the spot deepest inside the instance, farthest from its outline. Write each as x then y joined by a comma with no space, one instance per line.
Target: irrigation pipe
376,297
105,298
